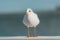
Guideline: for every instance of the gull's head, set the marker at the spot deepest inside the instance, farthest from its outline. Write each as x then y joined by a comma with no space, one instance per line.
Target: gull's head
29,11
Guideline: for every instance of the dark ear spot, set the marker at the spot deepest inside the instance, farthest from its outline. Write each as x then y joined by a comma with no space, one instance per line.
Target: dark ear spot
29,10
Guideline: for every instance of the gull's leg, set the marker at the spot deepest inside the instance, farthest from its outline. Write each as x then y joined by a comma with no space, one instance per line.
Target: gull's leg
28,32
35,31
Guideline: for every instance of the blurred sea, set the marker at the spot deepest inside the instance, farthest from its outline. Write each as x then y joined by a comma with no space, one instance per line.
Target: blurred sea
11,24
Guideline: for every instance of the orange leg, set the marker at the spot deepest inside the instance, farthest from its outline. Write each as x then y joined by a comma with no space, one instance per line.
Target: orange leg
34,31
28,32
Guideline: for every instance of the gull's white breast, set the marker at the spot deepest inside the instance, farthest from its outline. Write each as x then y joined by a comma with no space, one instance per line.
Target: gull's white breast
33,19
26,21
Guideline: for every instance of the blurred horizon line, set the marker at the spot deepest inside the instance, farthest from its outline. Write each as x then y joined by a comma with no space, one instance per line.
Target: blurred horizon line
36,10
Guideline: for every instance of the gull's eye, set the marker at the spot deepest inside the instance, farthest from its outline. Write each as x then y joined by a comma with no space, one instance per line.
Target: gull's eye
29,11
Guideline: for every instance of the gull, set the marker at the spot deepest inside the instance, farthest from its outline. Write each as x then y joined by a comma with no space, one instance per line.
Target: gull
31,19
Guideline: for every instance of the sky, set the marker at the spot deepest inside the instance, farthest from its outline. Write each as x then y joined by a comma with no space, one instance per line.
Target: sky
20,5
